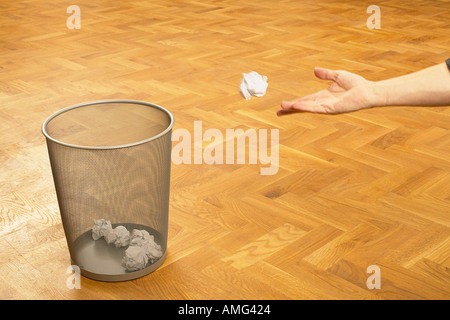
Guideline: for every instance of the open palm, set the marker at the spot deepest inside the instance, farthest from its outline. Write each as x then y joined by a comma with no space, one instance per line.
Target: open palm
348,92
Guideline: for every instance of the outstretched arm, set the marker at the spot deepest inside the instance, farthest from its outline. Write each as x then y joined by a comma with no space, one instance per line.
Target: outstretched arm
350,92
427,87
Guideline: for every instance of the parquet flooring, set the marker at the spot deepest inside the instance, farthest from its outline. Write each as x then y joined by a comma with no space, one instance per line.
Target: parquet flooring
352,190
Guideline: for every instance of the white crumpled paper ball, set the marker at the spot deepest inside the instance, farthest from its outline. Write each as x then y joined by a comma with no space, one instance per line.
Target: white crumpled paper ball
253,84
101,228
119,236
135,258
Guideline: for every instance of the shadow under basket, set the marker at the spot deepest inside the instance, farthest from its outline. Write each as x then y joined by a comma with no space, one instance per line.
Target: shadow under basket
111,160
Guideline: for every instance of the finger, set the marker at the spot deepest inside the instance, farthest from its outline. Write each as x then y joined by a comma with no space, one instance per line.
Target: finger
326,74
312,106
287,108
310,97
286,105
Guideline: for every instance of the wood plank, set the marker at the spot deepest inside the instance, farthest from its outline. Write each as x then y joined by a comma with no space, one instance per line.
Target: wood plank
352,190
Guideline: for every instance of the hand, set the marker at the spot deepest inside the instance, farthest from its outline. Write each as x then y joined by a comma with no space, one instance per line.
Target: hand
348,92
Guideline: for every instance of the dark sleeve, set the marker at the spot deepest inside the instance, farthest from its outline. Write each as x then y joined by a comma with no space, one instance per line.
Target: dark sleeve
448,63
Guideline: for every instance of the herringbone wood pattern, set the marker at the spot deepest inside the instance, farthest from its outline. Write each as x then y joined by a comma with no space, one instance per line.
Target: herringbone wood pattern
353,190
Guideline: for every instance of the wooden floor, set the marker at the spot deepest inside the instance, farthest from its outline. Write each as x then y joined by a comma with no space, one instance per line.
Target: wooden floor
352,191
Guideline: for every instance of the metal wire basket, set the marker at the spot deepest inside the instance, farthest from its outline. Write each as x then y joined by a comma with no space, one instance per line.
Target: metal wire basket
111,160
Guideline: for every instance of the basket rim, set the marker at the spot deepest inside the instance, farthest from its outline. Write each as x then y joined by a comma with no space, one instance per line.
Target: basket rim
85,104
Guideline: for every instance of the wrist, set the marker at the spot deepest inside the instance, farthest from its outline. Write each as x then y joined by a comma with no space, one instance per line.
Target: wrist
379,94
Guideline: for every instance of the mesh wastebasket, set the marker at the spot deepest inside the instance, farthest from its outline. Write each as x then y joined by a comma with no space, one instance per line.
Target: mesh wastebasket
110,162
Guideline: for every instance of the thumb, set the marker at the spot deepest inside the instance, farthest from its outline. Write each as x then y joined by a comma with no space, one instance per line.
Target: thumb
326,74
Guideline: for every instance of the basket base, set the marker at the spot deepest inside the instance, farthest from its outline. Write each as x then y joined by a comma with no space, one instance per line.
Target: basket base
98,260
